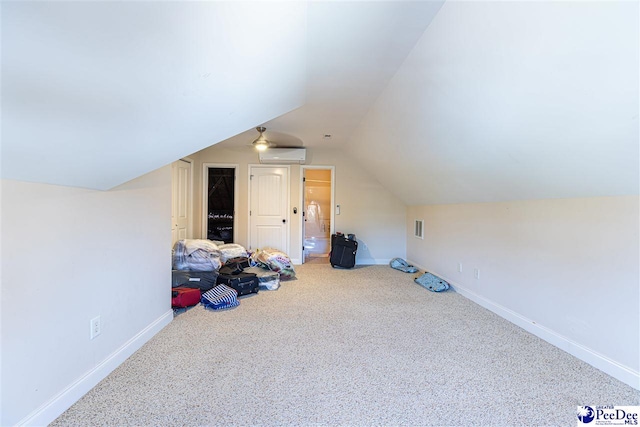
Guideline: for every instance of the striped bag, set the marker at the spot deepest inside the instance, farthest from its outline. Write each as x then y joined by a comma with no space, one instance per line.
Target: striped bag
220,298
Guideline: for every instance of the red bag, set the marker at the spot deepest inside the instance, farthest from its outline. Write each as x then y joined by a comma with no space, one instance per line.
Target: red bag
184,297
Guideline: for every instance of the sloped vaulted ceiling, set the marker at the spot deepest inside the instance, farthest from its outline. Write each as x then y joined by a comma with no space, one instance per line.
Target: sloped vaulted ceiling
354,48
507,101
495,100
97,93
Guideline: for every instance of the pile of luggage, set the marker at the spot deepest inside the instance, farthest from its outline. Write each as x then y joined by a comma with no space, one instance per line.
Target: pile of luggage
216,274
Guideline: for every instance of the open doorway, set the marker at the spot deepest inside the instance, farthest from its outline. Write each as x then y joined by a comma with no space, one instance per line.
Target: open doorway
220,195
317,201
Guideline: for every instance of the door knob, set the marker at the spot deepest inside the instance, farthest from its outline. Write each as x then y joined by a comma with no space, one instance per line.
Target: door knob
284,220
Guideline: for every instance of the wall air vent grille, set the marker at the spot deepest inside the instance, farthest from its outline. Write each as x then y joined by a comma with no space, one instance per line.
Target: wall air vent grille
419,229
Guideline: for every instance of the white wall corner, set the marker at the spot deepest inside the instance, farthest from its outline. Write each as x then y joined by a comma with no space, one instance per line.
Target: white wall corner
621,372
52,409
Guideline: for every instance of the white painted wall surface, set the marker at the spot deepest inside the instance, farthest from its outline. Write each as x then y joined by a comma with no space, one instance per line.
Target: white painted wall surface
569,265
368,209
69,255
511,100
145,82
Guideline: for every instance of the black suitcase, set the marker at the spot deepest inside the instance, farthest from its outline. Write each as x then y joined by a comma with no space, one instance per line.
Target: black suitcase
203,280
343,251
243,283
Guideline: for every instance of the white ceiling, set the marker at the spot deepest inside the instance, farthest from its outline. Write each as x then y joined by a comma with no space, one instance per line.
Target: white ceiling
95,94
353,50
466,101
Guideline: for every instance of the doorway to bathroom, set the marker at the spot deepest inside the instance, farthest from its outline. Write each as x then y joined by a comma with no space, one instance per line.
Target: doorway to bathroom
318,191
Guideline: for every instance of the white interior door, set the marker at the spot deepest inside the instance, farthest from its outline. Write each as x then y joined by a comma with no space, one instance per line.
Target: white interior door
269,207
180,200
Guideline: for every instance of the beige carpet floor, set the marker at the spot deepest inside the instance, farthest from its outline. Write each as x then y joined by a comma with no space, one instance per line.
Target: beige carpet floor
357,347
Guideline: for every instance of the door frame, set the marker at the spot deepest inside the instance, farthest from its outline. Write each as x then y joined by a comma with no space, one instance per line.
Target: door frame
287,208
332,227
205,196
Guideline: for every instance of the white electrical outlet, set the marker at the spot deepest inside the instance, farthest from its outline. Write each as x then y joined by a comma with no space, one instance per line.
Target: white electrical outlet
476,272
96,328
460,267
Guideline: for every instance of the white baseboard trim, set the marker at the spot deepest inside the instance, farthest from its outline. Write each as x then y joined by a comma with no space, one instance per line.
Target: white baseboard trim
373,261
52,409
621,372
366,261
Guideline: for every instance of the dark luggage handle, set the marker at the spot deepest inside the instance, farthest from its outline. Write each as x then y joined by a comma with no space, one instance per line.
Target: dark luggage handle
227,270
237,270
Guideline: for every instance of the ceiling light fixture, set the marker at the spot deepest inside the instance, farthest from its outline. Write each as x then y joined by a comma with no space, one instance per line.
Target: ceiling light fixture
261,142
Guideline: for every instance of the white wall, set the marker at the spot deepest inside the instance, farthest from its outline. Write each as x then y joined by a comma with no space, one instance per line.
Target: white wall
531,101
511,100
368,209
565,269
68,255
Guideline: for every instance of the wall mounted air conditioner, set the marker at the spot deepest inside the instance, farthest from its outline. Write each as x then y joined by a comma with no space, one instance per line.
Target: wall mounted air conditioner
283,155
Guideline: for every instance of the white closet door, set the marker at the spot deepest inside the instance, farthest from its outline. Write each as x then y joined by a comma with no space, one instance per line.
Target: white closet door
180,201
269,207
